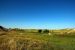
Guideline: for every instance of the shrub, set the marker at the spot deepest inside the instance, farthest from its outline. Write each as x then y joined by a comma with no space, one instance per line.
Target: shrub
40,31
46,31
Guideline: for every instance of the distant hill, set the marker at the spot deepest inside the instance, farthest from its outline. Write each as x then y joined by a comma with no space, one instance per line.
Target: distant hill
2,28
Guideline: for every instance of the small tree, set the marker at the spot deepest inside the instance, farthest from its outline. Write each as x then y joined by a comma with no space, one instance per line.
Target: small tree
46,31
40,31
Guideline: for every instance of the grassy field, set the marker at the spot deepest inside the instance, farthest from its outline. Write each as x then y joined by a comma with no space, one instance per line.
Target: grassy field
36,41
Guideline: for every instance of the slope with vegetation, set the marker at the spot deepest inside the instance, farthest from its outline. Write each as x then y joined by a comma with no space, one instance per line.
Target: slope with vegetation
20,39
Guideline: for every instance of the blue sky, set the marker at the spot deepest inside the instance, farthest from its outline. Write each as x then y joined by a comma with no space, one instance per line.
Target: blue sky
37,14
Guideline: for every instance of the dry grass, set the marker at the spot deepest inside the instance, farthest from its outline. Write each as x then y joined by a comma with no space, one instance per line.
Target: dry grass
22,42
29,41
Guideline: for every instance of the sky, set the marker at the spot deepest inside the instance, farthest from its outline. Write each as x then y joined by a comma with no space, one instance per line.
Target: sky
37,14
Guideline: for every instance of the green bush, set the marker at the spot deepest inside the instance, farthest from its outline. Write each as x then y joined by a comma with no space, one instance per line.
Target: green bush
46,31
40,31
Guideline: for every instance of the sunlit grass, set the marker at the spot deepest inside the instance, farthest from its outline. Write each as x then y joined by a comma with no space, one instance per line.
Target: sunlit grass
36,41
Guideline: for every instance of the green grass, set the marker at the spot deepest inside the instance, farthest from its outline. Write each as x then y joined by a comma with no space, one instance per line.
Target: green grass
36,41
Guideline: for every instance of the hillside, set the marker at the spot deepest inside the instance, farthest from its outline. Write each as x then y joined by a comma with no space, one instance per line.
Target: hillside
19,39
